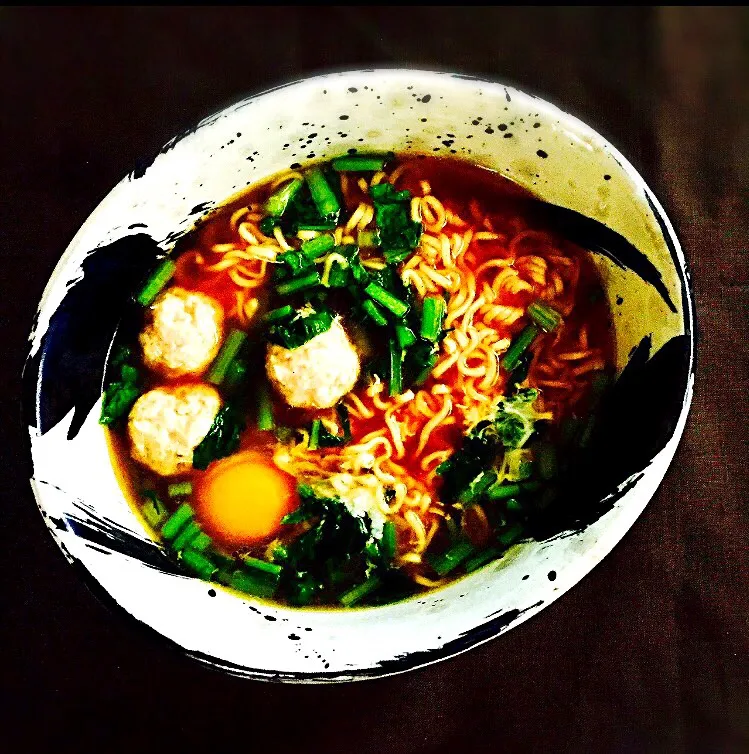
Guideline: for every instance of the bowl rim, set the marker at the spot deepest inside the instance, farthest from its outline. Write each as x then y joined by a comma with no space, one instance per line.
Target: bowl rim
479,634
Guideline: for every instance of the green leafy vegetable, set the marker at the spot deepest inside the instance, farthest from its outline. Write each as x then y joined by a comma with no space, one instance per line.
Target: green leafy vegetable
195,561
361,162
386,299
280,199
337,549
122,392
222,439
318,246
327,439
229,350
359,592
452,557
291,264
374,312
299,284
153,510
510,426
326,201
433,314
175,523
305,325
518,347
265,420
283,312
418,363
393,217
156,282
544,316
180,489
396,368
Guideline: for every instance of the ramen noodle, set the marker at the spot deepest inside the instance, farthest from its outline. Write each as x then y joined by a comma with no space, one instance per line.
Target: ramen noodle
357,380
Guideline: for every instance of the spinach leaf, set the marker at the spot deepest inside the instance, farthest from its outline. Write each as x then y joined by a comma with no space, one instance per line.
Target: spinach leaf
222,439
327,439
305,325
511,426
122,392
393,218
337,550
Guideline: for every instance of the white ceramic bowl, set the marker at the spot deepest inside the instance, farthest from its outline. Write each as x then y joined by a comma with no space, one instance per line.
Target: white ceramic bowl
532,142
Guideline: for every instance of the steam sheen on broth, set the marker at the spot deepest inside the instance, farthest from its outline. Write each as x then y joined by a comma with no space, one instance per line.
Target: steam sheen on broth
357,381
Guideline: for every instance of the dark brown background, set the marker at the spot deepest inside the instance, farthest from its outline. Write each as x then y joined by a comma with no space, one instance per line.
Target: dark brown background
649,652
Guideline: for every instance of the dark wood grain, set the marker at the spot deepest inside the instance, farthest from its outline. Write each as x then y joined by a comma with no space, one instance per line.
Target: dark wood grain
649,653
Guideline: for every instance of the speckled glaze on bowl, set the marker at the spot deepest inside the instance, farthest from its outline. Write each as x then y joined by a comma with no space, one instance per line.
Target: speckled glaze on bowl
532,142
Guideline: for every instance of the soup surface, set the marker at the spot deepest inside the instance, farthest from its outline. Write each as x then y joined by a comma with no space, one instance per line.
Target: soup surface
357,381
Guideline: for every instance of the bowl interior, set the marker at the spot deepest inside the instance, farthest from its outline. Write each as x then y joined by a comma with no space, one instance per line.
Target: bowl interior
530,141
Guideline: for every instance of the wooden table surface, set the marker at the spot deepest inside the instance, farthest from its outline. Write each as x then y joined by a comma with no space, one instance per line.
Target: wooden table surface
649,653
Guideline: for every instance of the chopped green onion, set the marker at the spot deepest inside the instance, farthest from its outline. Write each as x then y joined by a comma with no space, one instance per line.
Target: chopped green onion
504,491
262,565
256,584
482,558
325,200
360,163
513,505
389,541
201,543
176,521
281,313
453,528
198,563
318,246
299,284
368,238
188,533
429,364
224,562
405,336
229,350
318,228
359,592
314,435
544,316
303,594
265,420
478,487
374,312
153,510
278,201
518,347
433,315
179,489
235,373
396,256
158,279
384,297
511,535
396,368
452,557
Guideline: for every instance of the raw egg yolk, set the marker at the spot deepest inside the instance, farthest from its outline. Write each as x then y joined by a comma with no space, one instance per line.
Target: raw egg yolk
242,499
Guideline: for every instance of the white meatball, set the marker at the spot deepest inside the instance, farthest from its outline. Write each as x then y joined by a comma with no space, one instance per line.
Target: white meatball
317,374
166,424
184,334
